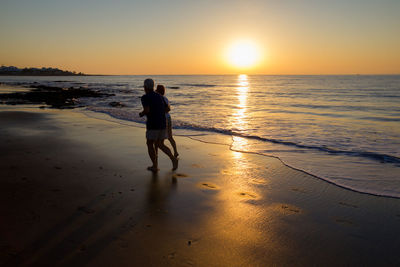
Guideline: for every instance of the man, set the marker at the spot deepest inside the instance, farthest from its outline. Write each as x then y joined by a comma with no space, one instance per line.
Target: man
156,128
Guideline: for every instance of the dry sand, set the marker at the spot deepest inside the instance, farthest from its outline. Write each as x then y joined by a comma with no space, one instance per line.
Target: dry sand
75,191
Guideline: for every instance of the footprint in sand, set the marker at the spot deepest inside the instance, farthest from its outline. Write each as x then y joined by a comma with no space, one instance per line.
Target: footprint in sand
179,175
300,190
192,241
117,211
290,208
123,244
189,263
286,209
258,181
171,255
209,186
197,166
85,210
348,205
344,221
247,195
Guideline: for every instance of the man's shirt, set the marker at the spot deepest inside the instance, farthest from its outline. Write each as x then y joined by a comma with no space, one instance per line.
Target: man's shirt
156,117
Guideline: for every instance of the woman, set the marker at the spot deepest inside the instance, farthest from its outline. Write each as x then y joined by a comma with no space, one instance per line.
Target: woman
161,90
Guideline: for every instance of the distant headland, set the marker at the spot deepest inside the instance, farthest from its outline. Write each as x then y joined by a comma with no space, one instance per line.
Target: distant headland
11,70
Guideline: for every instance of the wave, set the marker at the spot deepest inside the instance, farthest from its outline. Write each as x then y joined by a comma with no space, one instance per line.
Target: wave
381,119
198,85
128,115
383,158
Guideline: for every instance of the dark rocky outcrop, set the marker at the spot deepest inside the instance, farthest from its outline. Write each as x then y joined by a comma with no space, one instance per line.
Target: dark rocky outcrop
55,97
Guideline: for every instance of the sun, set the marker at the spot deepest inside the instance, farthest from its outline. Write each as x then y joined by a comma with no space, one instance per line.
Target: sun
243,54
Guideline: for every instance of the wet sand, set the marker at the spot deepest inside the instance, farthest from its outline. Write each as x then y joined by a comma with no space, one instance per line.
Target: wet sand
75,191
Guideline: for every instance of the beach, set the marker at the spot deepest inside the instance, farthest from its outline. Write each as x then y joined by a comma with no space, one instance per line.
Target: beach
312,123
285,114
75,191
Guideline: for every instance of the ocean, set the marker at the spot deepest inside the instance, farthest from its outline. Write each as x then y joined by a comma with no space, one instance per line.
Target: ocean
342,129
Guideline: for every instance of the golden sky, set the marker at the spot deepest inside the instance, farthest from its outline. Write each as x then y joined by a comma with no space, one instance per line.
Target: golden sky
192,37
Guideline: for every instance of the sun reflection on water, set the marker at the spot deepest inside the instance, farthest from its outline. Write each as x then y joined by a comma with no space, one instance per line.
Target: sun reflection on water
240,117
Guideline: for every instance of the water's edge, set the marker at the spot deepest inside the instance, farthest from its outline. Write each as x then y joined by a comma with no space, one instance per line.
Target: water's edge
90,114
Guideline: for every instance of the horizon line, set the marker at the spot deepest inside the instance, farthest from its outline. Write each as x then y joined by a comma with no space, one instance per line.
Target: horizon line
223,74
257,74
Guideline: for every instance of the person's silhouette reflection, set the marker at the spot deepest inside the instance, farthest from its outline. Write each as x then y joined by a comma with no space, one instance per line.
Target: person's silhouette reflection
159,192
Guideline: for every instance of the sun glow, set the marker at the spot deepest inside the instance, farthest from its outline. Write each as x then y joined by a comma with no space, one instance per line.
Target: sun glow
243,54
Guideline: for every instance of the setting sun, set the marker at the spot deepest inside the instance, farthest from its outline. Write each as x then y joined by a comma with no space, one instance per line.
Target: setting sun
243,54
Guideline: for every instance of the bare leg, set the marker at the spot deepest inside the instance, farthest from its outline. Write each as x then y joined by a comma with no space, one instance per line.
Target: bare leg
151,148
167,151
172,141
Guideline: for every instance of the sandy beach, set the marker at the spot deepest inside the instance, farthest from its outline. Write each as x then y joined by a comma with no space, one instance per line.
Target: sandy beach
75,191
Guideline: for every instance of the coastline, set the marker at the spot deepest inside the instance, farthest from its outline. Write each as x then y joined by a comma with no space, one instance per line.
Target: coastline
363,145
75,190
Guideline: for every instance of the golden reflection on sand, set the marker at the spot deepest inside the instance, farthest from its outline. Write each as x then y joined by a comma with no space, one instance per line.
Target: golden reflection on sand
241,168
239,144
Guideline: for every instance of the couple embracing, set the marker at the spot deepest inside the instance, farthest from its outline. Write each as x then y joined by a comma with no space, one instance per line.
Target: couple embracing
158,125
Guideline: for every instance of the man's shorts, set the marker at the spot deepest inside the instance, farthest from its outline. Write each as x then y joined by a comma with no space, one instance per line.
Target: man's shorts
156,134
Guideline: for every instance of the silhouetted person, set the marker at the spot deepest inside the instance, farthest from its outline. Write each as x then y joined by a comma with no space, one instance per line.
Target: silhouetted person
161,90
154,109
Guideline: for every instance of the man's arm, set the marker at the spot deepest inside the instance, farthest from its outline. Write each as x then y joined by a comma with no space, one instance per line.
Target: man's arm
146,106
146,110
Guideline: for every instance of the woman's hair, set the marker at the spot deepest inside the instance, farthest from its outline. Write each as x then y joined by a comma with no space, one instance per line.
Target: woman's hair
160,89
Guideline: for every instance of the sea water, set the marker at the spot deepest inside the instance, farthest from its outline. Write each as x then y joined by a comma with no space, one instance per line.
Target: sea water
343,129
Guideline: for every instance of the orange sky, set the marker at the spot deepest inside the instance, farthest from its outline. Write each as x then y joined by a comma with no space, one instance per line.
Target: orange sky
191,37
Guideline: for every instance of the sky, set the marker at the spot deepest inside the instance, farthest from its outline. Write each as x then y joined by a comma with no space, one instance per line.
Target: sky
128,37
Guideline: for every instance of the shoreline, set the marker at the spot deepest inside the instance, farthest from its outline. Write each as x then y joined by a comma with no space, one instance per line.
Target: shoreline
298,169
76,191
360,167
252,152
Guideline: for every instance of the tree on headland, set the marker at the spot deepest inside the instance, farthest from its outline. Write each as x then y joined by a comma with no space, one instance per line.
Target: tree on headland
11,70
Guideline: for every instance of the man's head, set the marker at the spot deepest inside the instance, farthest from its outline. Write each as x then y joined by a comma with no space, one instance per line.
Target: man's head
148,85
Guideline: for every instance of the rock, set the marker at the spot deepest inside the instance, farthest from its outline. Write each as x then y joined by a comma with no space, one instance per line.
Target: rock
116,104
55,97
85,209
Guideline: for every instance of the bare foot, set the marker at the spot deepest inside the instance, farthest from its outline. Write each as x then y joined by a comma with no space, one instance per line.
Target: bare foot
153,169
175,163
